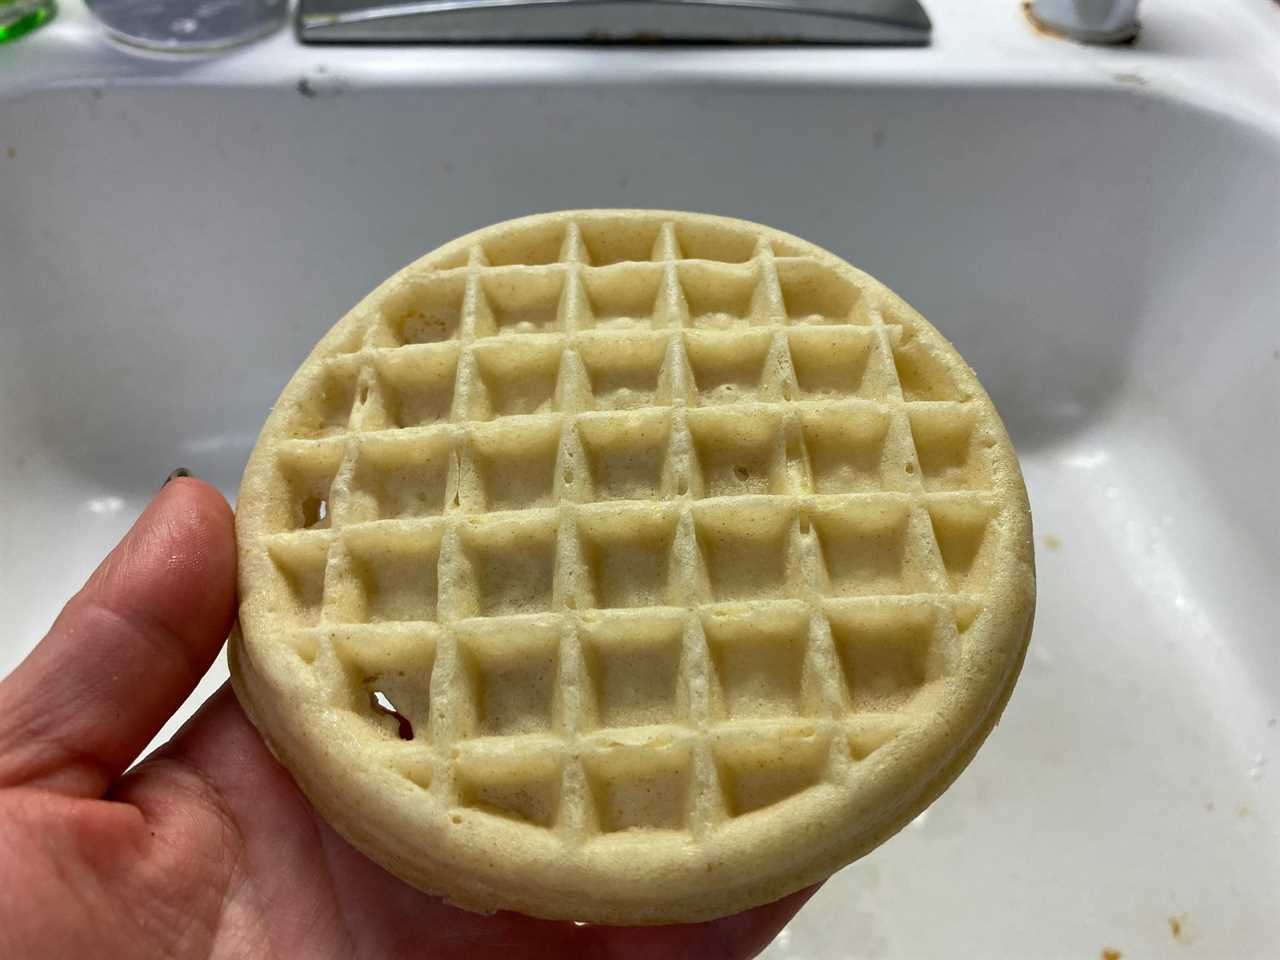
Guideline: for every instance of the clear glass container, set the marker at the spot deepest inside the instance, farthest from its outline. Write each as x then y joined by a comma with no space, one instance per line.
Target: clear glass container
181,25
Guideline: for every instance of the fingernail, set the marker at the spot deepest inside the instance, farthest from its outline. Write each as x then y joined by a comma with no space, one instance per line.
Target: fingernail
180,472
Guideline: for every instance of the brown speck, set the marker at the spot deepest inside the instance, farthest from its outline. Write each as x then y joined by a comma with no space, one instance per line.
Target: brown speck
1052,542
1180,929
877,139
1047,31
1243,811
1208,806
1109,954
12,152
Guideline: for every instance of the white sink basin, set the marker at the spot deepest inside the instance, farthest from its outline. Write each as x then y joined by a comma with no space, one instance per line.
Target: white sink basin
1103,250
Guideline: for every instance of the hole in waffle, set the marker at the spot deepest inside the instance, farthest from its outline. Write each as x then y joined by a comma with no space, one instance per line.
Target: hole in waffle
922,374
846,449
739,452
865,549
528,245
619,240
640,789
380,703
417,385
831,364
762,771
721,296
395,477
526,790
627,556
814,293
746,550
425,309
518,378
395,574
625,454
623,297
315,512
512,670
634,664
728,368
758,661
886,652
961,529
718,242
388,669
624,371
307,473
943,435
524,301
513,566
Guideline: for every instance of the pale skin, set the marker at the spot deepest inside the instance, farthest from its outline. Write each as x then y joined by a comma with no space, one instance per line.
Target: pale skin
207,849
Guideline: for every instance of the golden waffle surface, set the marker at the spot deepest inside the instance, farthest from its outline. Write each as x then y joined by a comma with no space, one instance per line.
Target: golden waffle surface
629,566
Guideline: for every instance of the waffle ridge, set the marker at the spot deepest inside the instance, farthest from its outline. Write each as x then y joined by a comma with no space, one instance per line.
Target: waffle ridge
593,529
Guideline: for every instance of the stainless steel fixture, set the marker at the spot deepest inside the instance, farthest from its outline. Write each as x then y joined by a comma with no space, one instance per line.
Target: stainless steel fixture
896,22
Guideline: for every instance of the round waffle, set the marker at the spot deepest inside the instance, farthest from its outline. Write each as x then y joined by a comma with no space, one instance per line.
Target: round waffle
629,567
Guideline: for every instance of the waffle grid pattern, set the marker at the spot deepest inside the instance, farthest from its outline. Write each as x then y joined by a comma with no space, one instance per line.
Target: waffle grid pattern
526,500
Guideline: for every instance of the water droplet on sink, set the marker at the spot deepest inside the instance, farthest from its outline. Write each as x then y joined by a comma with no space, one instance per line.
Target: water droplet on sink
185,26
1110,491
104,506
1255,772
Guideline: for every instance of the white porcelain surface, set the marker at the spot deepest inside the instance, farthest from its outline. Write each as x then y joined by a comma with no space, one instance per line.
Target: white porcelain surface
1099,234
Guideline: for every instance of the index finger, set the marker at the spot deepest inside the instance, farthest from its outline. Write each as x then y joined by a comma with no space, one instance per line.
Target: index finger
126,650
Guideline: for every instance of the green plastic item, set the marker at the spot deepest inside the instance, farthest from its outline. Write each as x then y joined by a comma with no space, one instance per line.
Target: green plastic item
18,17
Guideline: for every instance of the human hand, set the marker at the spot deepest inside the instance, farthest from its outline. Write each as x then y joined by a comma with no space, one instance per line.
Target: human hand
207,848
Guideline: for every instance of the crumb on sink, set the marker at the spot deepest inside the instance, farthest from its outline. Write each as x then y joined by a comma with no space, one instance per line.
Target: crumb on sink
1109,953
1052,542
1180,928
